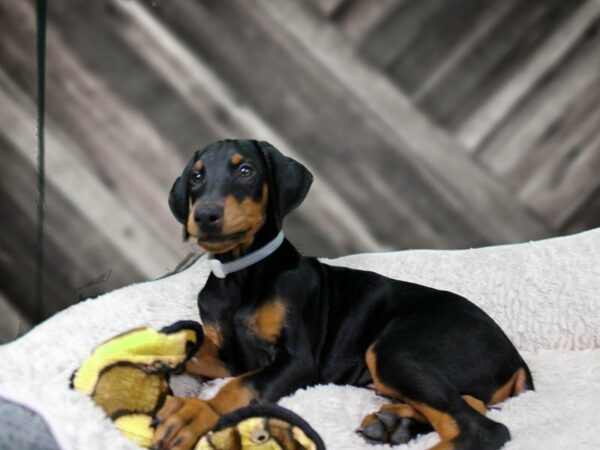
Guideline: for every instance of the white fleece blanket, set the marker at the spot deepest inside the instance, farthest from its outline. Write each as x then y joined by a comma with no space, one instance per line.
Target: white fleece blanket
545,295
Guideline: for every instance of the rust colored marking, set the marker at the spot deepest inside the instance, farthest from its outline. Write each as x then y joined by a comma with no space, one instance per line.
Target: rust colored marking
404,410
476,404
198,165
182,421
206,365
170,407
236,159
520,382
368,420
382,388
442,422
191,225
267,321
206,362
232,396
400,409
213,332
221,247
514,386
244,217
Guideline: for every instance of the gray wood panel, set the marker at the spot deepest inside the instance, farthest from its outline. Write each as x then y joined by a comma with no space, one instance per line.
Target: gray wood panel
586,217
427,123
117,143
537,123
358,17
438,35
486,118
79,262
330,7
508,46
12,324
549,151
393,34
127,75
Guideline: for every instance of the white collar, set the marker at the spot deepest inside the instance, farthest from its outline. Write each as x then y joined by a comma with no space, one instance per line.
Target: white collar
221,270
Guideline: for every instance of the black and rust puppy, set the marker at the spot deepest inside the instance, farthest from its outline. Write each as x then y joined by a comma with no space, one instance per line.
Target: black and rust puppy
288,321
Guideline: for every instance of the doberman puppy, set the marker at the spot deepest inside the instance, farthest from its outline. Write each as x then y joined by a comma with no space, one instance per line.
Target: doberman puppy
287,321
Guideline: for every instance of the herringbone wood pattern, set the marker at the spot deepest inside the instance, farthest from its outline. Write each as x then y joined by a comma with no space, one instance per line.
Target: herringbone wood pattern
428,123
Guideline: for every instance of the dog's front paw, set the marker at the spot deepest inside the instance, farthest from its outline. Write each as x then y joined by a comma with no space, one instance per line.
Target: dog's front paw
181,422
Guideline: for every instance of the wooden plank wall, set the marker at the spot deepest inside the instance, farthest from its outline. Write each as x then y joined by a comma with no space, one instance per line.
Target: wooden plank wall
428,124
515,82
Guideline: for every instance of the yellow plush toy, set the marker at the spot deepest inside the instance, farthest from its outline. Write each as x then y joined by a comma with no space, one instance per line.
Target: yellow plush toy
261,427
128,377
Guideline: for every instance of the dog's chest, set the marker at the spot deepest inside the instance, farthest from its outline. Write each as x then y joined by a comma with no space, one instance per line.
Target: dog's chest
245,342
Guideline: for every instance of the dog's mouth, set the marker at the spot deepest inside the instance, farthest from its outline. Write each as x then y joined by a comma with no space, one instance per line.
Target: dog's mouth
219,238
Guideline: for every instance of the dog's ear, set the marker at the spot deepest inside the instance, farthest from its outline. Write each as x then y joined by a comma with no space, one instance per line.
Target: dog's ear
178,197
289,181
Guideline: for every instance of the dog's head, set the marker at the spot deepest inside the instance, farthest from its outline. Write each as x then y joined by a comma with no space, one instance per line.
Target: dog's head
231,189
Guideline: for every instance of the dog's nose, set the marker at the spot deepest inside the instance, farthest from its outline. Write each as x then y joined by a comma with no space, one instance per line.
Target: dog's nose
209,216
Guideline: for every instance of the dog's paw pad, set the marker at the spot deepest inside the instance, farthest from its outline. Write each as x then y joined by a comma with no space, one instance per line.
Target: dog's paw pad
385,427
375,432
403,432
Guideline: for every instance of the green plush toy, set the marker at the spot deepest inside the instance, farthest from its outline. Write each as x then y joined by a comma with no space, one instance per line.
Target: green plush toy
128,377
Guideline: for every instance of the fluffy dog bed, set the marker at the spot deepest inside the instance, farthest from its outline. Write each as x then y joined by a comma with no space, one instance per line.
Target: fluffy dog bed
545,295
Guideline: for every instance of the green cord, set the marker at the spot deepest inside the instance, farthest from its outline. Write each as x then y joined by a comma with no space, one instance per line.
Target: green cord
41,15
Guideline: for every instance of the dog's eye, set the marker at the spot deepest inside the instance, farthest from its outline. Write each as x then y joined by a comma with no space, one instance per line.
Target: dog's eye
196,177
245,170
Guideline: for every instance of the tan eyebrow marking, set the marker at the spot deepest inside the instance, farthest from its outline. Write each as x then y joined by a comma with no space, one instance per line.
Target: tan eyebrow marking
236,158
198,165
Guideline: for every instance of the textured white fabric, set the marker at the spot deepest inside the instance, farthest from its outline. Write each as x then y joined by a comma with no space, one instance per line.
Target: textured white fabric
546,296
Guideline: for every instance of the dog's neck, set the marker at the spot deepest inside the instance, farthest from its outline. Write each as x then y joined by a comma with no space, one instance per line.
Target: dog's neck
269,251
221,270
265,235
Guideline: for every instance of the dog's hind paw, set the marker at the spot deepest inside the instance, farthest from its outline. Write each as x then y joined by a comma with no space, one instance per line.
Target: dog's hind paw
388,427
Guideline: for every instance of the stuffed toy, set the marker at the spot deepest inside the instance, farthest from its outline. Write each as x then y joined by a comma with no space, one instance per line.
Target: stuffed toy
261,427
128,377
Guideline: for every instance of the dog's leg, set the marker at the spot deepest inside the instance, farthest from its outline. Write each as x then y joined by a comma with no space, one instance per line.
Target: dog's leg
516,385
459,421
398,423
206,362
182,421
